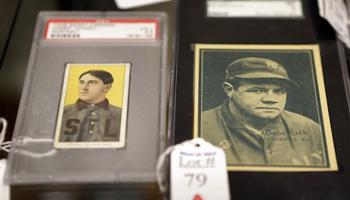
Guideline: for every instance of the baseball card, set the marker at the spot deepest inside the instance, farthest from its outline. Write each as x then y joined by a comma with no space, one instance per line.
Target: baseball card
265,105
93,106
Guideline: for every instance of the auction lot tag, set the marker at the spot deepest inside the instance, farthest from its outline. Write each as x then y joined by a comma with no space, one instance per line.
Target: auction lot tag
4,189
198,172
73,29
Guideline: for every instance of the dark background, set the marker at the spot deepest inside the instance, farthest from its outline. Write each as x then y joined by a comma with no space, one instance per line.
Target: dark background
17,27
298,64
195,27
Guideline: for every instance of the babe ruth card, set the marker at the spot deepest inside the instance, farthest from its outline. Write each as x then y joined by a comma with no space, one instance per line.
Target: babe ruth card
93,106
265,105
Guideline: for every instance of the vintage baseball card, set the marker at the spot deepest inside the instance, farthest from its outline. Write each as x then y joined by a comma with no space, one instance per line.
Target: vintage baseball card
93,106
265,105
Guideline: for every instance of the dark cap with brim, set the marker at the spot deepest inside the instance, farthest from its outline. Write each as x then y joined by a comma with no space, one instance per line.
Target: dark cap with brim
257,68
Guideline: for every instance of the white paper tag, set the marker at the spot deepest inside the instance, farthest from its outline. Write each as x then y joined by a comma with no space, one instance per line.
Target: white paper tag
320,7
74,29
125,4
4,189
262,8
198,172
334,11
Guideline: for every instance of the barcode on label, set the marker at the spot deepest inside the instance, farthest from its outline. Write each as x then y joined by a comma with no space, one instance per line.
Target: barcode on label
139,36
64,35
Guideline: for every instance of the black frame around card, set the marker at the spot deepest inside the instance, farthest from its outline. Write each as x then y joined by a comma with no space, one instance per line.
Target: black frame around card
195,27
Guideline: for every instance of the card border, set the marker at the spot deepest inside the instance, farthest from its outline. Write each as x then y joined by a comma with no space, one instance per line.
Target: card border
328,143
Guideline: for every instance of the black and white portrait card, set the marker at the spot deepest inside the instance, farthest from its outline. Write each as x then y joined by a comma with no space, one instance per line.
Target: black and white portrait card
265,105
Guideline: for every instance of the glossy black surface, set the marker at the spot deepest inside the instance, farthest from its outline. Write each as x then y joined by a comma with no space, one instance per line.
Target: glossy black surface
194,27
8,11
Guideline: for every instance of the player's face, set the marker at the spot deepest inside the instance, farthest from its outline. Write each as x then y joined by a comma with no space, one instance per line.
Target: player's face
92,89
263,100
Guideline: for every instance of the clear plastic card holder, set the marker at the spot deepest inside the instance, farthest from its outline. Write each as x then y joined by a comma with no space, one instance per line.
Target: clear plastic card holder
63,40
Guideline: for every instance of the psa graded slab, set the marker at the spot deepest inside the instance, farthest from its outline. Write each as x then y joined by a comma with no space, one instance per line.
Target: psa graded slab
93,107
265,105
94,103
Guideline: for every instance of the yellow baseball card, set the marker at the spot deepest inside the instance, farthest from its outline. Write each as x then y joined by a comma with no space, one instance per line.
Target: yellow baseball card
93,106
